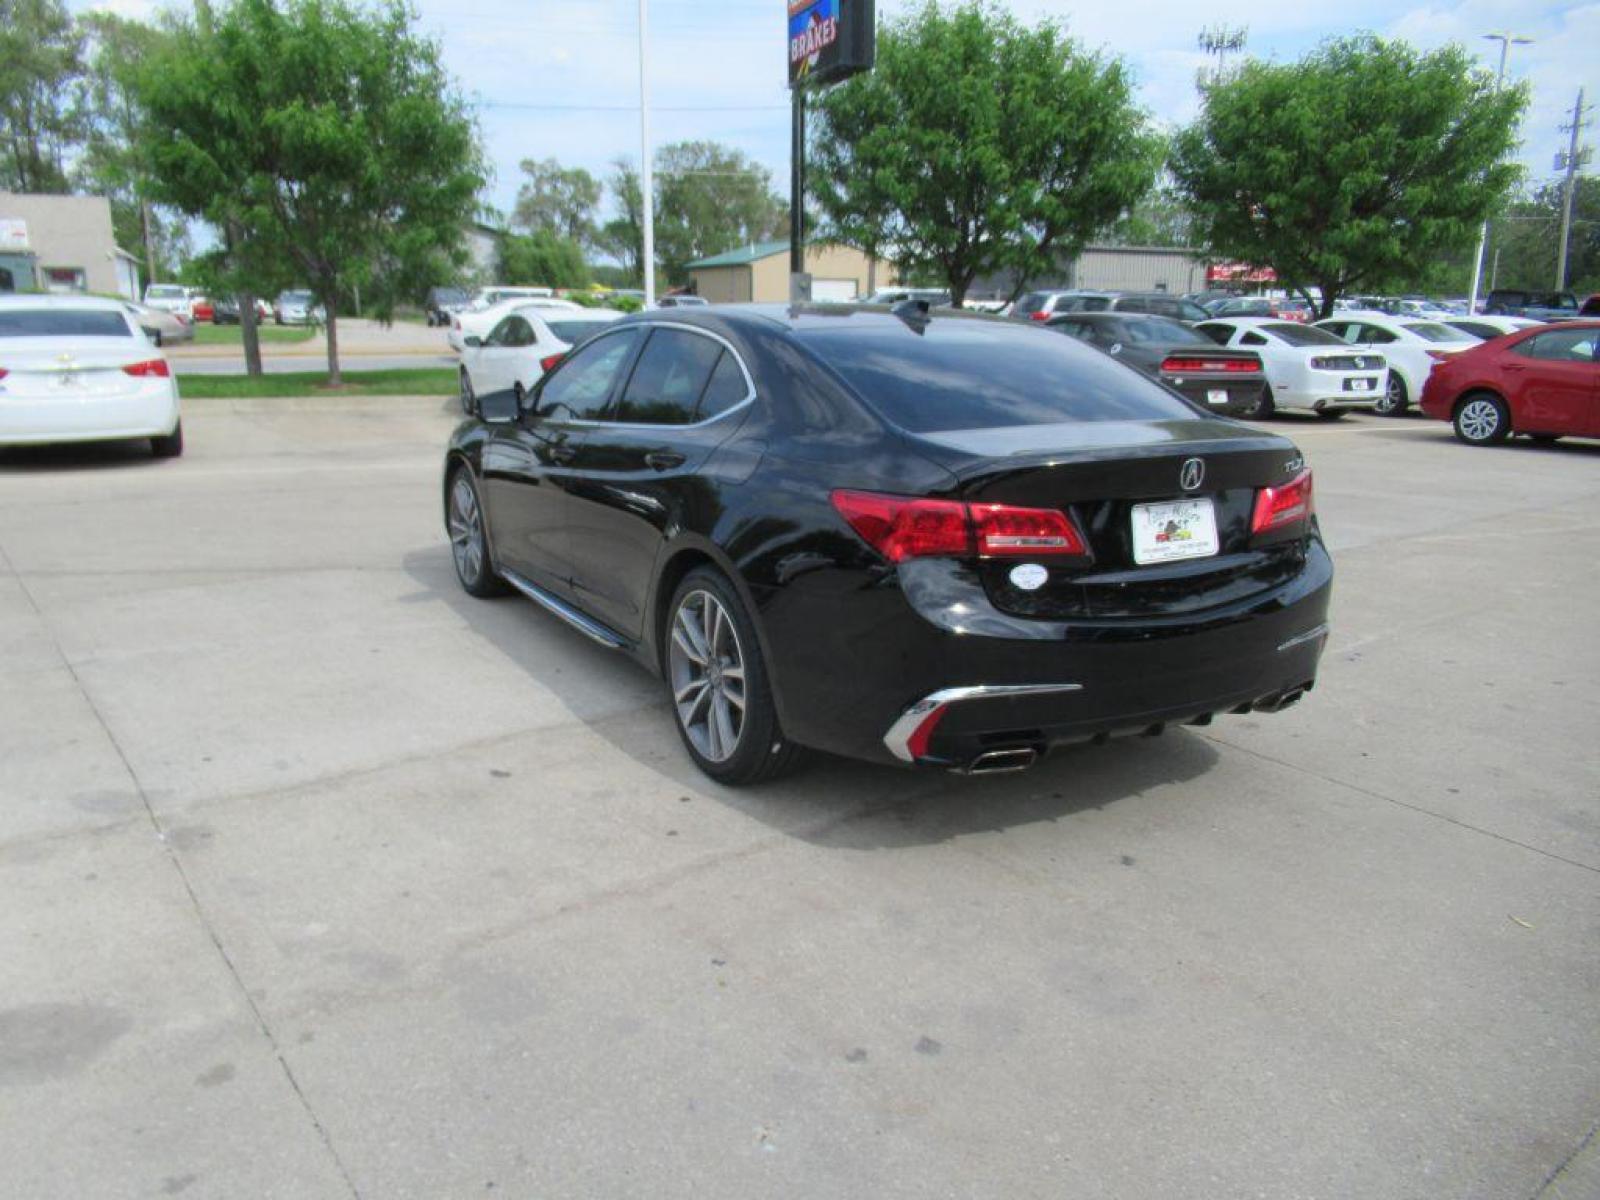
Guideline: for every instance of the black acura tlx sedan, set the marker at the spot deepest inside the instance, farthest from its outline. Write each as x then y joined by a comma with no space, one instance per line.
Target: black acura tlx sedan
895,534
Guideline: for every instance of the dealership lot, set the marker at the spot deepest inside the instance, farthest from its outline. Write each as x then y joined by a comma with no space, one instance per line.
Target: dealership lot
318,878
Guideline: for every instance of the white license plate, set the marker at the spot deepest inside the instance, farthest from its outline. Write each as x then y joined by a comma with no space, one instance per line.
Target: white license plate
1217,395
1176,529
1361,385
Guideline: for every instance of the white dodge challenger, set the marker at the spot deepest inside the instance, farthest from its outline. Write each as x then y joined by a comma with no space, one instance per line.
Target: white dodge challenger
79,369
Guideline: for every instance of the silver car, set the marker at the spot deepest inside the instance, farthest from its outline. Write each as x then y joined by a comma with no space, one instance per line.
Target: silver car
160,326
297,308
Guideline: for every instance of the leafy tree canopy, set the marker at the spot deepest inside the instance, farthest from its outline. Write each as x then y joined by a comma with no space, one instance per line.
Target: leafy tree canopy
558,199
1352,167
710,198
977,145
324,138
41,58
542,258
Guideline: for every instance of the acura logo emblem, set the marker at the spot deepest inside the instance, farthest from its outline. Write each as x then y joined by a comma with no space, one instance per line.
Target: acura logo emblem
1192,474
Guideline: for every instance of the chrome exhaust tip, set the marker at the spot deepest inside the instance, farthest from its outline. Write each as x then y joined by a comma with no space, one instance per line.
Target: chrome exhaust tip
1002,762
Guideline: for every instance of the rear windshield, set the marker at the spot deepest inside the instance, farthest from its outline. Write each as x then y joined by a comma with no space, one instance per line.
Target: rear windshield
575,331
1160,332
966,374
62,322
1432,331
1300,335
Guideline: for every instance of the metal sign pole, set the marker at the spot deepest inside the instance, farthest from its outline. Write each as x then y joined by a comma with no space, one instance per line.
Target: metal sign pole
647,186
797,185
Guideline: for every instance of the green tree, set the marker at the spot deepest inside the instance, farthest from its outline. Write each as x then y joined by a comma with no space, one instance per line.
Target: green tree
324,138
1353,166
622,237
1523,240
710,198
41,59
558,199
978,144
112,163
542,258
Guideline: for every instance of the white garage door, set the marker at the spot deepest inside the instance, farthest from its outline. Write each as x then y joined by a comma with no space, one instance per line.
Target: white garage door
833,290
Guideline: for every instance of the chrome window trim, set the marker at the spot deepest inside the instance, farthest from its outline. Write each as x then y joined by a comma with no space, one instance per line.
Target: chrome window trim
749,382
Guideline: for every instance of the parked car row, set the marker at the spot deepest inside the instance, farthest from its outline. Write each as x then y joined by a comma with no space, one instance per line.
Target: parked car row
191,305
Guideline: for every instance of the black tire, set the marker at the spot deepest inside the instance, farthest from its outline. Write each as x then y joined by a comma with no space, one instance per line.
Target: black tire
1482,419
1331,414
469,399
170,446
761,752
468,530
1395,398
1265,406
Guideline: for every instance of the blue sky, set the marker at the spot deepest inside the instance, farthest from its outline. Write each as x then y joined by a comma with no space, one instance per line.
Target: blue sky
559,78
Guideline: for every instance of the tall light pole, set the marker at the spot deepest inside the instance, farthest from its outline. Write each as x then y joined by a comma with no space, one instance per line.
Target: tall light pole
1506,40
647,183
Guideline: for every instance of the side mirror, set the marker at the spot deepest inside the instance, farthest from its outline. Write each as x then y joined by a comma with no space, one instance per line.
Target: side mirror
472,340
498,408
1115,349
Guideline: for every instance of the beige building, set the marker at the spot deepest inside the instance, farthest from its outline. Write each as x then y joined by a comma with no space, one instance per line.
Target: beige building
760,272
63,244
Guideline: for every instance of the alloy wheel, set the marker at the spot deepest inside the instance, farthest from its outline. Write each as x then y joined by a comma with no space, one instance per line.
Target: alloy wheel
1393,397
466,530
706,665
1479,420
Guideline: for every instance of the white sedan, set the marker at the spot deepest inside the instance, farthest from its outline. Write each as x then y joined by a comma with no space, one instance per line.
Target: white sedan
79,369
480,318
1411,346
1307,369
524,344
1490,327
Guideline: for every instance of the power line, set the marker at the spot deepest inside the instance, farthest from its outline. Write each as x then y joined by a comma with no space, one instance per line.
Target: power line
626,108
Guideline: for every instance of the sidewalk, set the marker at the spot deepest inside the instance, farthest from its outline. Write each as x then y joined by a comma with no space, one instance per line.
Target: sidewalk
357,337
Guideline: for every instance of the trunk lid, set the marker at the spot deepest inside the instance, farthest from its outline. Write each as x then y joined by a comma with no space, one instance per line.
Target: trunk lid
75,369
1098,472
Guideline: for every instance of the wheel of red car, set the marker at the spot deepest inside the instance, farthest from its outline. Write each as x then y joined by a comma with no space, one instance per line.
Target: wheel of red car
1482,419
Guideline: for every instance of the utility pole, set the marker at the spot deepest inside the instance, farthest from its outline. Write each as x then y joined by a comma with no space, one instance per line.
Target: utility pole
1222,41
1506,40
647,183
1575,158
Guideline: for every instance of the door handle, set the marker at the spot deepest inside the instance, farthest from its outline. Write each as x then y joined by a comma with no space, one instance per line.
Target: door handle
663,460
560,452
1511,366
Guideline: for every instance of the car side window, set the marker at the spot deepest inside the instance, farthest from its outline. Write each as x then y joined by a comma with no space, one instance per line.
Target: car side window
1252,339
1563,345
725,388
500,335
1188,310
672,372
580,388
1374,336
523,333
1134,305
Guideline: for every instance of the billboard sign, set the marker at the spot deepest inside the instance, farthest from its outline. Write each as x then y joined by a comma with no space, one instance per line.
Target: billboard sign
830,40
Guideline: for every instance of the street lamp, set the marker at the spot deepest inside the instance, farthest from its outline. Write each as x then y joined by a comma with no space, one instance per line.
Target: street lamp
1506,40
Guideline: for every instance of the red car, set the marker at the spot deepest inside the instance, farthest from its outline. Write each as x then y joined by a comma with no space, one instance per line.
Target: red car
1543,382
203,310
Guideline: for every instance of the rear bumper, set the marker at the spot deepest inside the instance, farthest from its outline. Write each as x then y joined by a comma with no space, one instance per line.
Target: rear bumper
1226,395
861,668
151,411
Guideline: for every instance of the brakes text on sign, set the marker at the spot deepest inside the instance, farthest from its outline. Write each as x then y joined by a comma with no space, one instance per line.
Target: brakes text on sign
813,38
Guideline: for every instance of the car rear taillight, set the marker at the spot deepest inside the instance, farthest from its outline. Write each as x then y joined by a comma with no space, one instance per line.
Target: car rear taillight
1177,365
1283,505
549,361
151,368
1041,315
902,527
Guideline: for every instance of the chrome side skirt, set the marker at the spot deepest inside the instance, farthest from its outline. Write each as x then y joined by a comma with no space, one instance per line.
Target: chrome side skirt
932,706
582,622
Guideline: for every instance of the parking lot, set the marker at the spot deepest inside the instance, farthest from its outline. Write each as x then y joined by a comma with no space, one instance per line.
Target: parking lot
320,879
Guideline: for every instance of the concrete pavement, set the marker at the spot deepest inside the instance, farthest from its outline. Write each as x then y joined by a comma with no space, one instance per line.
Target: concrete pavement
320,879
